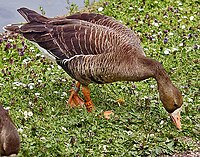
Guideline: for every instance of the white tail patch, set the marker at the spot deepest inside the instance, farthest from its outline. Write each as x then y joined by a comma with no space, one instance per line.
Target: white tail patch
46,53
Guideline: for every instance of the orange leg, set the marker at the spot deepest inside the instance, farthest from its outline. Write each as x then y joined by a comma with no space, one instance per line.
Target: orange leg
74,99
88,102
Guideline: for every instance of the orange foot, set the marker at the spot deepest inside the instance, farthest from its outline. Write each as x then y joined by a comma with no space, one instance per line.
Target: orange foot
75,100
89,106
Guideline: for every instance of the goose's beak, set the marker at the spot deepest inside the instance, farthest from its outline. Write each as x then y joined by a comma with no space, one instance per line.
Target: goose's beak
176,118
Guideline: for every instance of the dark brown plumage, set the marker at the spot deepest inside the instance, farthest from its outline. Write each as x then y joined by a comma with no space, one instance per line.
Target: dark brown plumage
9,138
96,48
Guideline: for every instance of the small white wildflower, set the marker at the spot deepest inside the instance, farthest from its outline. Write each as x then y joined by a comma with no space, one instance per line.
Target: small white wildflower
38,55
52,66
174,49
24,135
1,84
179,3
104,148
155,24
64,94
181,44
159,33
14,87
154,35
146,49
167,51
64,129
42,56
25,114
37,94
20,130
161,122
40,81
31,85
10,40
183,26
7,108
30,113
133,18
140,9
140,22
190,100
129,133
152,86
43,138
59,67
191,18
171,33
151,135
63,80
56,92
100,9
185,17
32,49
130,8
49,69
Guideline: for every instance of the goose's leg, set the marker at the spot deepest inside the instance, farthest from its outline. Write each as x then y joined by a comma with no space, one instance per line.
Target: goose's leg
88,101
74,99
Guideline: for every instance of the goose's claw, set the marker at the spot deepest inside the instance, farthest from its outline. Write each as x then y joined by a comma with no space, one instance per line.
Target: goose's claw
75,100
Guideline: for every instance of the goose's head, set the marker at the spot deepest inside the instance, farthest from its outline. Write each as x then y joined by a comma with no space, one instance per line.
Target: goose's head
172,101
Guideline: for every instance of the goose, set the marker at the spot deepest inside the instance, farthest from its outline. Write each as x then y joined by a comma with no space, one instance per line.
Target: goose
9,137
94,48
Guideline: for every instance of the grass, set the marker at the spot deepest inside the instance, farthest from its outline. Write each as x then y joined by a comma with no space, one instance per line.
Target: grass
36,90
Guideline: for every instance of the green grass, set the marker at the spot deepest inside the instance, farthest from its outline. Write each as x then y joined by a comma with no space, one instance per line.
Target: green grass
140,126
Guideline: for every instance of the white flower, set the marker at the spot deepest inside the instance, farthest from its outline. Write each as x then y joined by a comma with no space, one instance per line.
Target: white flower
152,86
30,113
161,122
140,9
155,24
183,26
174,49
100,9
10,40
7,108
64,129
56,92
129,133
40,81
32,49
25,114
190,100
37,94
130,8
140,22
104,148
31,85
171,33
179,3
63,80
181,44
20,130
167,51
191,18
43,138
64,94
38,55
49,69
133,18
59,67
185,17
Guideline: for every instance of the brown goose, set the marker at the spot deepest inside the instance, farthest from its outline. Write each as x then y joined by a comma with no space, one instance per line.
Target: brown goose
9,138
96,48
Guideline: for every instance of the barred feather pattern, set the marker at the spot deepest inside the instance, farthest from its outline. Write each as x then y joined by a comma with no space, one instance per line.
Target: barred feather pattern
89,47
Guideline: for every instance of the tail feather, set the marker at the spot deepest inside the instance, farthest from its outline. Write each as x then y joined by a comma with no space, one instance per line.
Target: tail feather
31,15
13,28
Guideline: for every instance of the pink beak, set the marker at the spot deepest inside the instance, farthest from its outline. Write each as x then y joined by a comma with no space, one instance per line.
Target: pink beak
176,118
